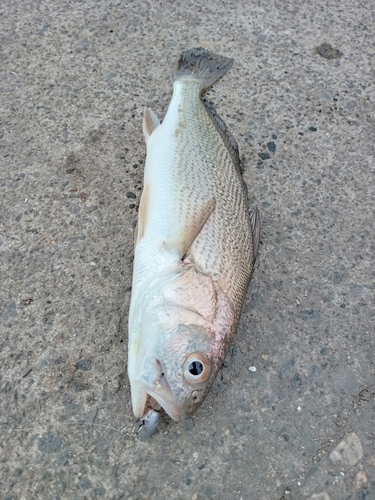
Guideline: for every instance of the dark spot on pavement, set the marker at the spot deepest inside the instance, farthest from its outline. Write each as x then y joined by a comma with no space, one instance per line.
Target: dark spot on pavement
351,104
99,492
309,314
95,136
62,459
286,368
49,443
10,310
264,156
84,364
72,409
85,483
74,208
71,158
296,381
326,51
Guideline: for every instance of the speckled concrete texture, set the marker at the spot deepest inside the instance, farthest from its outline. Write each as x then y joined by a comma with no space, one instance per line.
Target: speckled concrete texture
75,77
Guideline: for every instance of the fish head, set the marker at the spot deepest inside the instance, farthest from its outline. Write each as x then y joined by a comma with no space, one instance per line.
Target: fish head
177,366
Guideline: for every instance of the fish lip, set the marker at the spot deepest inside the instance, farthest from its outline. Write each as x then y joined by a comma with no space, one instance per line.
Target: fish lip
162,393
169,407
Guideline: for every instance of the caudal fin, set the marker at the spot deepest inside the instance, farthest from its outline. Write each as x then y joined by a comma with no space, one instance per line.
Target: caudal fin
202,65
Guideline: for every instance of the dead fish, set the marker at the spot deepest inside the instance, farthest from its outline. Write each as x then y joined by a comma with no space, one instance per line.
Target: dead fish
195,246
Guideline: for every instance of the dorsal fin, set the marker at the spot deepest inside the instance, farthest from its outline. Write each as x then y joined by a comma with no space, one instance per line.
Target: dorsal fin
255,230
229,141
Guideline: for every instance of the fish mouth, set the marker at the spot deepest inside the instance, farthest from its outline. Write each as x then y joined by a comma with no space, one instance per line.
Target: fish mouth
169,406
154,383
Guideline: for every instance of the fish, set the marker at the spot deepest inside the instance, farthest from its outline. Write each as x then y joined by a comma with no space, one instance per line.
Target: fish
195,247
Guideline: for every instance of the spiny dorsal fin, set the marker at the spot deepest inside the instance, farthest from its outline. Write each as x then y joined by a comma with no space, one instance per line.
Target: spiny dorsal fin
229,141
255,229
150,122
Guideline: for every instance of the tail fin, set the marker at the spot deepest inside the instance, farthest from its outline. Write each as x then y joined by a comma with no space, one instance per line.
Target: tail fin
200,64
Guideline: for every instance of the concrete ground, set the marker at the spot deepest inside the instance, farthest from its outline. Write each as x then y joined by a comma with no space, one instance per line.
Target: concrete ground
75,77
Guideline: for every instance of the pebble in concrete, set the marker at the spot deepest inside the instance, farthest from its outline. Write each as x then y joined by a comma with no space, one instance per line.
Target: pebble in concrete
349,451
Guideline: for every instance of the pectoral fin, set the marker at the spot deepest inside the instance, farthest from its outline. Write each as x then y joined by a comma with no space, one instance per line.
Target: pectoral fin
150,122
192,228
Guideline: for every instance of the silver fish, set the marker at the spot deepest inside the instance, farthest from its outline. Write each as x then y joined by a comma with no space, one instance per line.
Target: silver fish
195,246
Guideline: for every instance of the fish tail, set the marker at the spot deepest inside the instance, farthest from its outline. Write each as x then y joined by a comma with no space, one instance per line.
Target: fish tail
202,65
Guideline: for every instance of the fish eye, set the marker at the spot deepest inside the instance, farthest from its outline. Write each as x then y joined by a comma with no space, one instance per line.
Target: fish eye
197,368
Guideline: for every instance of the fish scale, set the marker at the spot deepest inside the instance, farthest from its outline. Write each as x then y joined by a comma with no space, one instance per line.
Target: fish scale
218,247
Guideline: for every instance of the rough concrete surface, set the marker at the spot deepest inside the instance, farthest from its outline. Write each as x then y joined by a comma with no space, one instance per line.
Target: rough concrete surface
75,77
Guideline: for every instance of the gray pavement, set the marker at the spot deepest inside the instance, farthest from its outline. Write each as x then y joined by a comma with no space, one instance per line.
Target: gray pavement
75,77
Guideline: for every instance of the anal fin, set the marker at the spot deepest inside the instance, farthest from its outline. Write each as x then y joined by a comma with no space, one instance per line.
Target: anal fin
150,122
